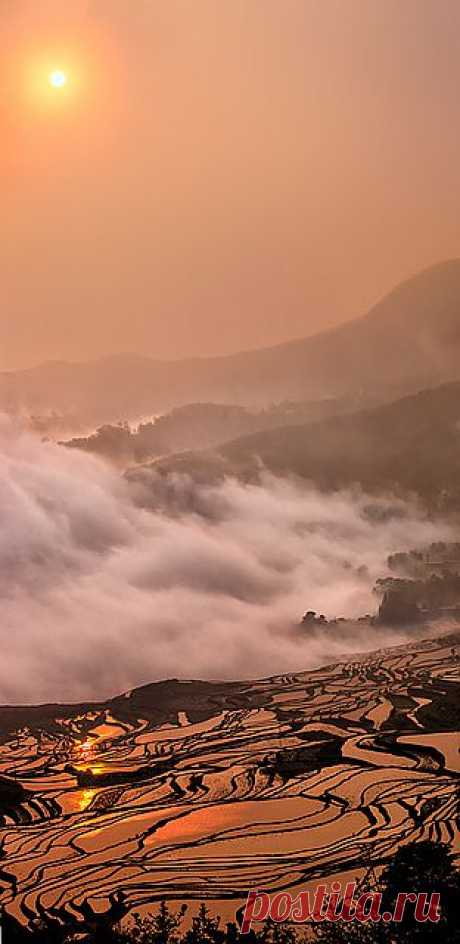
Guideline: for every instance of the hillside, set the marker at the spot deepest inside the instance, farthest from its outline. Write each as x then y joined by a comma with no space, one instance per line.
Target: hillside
133,800
411,444
409,340
200,426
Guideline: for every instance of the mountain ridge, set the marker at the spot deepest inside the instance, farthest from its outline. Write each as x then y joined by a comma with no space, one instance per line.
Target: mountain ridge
408,445
409,339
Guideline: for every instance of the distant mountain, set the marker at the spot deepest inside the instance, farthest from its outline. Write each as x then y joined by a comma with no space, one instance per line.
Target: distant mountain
199,426
411,445
409,340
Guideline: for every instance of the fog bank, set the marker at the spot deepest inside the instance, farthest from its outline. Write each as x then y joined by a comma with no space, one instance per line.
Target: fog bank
99,593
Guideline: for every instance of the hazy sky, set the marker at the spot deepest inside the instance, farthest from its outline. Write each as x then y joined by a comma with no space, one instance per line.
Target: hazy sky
219,174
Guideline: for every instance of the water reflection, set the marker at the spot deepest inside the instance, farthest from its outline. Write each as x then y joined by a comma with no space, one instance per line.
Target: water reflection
86,798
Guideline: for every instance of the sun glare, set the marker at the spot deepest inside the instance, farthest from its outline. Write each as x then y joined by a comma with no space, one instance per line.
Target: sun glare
57,78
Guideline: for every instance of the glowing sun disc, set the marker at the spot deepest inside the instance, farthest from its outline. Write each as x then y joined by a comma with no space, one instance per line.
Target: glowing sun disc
57,78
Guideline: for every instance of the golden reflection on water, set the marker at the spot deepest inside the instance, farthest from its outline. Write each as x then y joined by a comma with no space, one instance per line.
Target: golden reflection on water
87,798
92,768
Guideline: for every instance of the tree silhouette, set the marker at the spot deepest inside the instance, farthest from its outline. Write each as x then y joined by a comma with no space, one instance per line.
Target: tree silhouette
205,929
421,868
424,868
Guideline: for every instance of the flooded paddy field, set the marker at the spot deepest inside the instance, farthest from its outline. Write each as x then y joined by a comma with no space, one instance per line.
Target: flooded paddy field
191,791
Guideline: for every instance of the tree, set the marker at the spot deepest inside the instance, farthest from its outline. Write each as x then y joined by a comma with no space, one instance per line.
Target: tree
421,868
161,928
424,868
273,933
205,929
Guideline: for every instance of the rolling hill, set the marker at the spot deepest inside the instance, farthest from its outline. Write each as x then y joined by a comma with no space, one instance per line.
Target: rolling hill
200,426
410,445
409,340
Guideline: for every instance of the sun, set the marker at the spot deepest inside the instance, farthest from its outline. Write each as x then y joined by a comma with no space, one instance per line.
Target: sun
57,78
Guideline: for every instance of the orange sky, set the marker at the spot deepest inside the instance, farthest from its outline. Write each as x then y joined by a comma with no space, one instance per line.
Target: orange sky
219,174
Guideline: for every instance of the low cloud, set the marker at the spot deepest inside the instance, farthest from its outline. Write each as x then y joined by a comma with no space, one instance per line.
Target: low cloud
101,591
